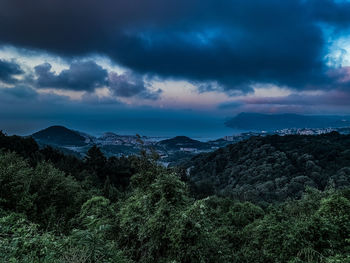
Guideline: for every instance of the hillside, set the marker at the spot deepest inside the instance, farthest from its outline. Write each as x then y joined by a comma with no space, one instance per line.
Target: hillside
59,135
57,208
272,168
257,121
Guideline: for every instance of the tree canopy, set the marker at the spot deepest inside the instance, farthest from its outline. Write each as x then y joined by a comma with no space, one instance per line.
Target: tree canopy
53,212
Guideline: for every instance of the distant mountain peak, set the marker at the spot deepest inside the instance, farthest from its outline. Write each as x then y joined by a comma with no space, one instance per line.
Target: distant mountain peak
59,135
182,137
58,127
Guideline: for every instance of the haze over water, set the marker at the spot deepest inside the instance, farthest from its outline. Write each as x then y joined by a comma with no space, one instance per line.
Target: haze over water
202,129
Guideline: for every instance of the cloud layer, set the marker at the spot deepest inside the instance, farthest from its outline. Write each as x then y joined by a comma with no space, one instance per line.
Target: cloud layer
129,85
8,71
235,43
146,59
81,76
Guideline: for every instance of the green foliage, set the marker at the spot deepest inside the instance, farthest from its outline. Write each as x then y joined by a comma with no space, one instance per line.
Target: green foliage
320,234
96,161
93,240
44,194
91,245
58,197
146,216
96,210
21,241
273,168
192,237
87,212
15,182
93,170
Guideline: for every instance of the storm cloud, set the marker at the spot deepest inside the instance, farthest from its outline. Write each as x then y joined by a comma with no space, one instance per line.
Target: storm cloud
88,76
81,76
8,71
130,85
235,43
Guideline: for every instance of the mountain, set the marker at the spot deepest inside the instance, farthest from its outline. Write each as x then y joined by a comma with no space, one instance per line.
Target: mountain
179,142
257,121
272,168
59,135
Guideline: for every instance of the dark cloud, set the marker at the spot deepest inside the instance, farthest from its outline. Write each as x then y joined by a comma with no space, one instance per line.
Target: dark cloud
130,85
8,70
87,76
81,76
332,12
236,43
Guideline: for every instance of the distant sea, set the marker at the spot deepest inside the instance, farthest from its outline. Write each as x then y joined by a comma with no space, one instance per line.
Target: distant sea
203,129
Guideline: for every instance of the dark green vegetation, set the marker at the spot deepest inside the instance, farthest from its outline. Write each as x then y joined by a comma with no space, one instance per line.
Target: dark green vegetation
257,121
57,208
273,168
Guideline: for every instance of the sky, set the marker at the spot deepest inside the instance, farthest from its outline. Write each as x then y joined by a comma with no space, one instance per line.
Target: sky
169,67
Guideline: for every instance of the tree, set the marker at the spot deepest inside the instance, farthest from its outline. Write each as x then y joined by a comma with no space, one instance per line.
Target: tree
147,216
96,161
15,182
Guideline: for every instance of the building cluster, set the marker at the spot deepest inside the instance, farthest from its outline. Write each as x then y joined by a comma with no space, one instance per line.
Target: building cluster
126,140
305,131
287,131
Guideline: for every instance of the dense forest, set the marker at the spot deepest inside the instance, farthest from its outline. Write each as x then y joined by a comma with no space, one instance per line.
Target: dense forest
58,208
272,168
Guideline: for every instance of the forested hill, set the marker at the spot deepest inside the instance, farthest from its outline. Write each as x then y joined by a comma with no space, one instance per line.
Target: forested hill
58,208
272,168
59,135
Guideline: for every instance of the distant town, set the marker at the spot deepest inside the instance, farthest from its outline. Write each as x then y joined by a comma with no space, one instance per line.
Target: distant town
284,132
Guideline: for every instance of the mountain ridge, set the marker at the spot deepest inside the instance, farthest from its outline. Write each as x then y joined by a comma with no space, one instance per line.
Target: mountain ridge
272,168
